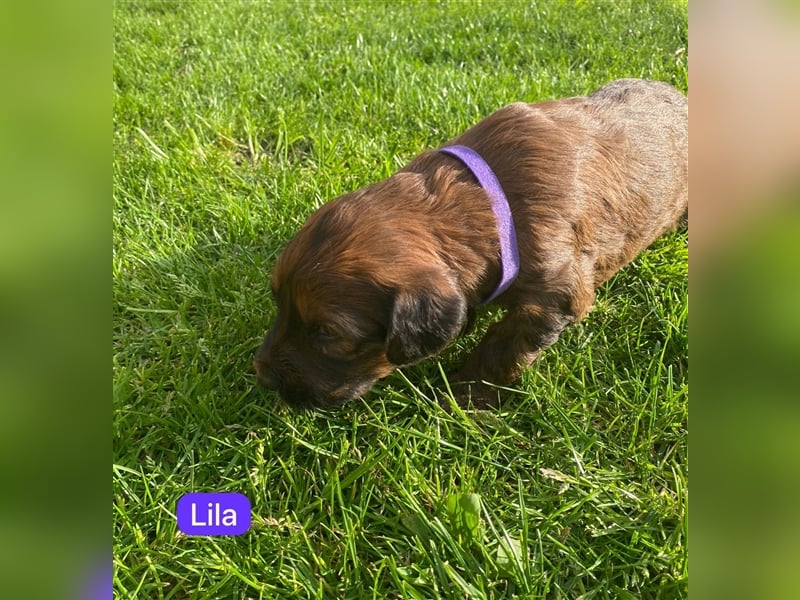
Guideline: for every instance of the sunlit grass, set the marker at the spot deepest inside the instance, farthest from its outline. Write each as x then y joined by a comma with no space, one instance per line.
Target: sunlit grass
233,121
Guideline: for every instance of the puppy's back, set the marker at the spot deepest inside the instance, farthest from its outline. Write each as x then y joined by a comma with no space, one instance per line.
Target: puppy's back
653,117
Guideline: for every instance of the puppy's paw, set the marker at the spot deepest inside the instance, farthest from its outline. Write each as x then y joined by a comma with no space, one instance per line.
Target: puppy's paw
476,395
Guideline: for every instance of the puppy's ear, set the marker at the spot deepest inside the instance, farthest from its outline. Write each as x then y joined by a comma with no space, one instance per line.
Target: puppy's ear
423,321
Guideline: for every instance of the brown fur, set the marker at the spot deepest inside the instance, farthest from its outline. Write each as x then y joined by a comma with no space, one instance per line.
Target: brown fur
386,275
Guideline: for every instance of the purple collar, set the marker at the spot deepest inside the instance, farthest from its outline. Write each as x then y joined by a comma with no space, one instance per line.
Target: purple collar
509,252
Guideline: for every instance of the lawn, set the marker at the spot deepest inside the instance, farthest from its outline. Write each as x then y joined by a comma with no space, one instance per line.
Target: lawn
233,121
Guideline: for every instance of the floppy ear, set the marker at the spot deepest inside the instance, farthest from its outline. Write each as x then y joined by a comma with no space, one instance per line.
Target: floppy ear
423,321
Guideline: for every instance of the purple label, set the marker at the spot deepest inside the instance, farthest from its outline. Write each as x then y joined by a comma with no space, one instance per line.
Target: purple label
101,582
213,513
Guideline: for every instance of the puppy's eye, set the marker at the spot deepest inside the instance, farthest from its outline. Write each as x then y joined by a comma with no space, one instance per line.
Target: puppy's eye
323,333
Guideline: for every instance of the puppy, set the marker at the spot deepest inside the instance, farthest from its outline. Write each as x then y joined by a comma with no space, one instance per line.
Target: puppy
532,208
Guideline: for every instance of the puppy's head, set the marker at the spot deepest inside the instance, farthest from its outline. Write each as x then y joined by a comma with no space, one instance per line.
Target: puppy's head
358,293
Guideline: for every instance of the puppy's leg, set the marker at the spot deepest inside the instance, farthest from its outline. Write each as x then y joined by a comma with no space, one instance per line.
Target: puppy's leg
508,347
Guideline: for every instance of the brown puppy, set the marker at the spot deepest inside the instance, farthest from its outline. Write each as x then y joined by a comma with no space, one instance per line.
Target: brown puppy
385,276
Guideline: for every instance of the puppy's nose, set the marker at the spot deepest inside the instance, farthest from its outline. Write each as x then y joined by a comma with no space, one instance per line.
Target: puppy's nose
266,376
268,380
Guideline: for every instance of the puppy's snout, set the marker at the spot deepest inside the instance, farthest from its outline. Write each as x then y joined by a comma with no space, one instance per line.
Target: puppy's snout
263,366
266,377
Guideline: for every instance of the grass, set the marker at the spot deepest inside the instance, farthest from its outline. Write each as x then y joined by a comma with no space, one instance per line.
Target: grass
232,122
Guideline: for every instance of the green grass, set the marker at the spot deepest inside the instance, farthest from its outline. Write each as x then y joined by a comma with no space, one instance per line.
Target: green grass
232,122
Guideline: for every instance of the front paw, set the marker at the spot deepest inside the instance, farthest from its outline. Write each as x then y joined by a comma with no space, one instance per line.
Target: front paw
469,393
